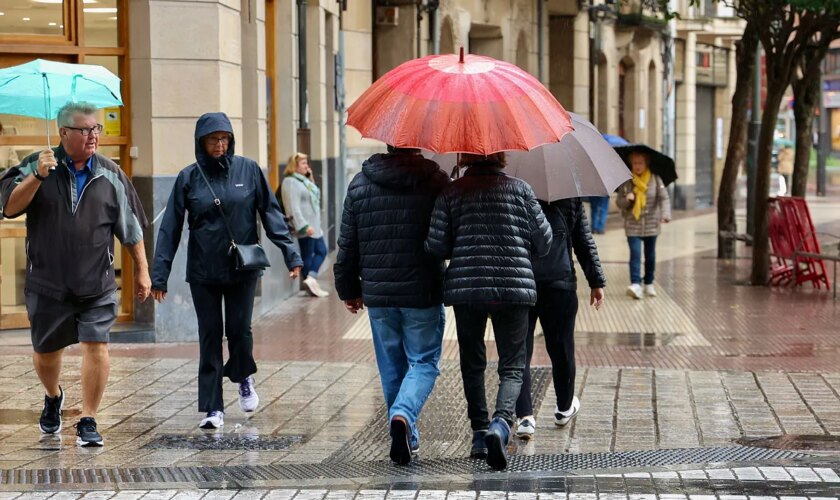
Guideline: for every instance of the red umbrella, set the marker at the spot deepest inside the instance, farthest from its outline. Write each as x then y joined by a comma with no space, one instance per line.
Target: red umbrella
466,104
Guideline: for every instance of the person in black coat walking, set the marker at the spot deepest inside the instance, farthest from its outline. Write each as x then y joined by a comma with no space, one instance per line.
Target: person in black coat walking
490,226
557,306
243,192
381,264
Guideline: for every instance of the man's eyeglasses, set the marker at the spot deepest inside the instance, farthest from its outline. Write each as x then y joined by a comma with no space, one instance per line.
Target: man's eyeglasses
87,131
216,140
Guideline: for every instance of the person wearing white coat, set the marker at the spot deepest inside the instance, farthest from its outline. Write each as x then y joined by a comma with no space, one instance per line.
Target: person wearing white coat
302,204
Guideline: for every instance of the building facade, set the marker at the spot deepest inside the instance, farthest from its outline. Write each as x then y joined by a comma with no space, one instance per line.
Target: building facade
285,70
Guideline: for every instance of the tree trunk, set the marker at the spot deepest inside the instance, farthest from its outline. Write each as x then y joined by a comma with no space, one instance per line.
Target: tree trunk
804,118
761,234
737,147
806,94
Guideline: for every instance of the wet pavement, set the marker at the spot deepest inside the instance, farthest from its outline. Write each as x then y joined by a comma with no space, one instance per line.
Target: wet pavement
711,389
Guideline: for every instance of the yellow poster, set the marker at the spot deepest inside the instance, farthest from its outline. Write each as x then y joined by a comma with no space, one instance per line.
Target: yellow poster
112,121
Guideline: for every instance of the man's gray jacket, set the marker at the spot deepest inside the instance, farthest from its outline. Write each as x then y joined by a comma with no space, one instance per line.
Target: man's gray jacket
70,238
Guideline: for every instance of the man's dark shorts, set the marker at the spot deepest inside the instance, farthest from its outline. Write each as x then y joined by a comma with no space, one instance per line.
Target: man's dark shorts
58,324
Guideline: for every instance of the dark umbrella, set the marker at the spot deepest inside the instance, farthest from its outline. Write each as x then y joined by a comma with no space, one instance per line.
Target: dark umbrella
660,164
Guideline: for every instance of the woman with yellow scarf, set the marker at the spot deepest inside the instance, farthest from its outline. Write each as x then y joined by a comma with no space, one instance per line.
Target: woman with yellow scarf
645,205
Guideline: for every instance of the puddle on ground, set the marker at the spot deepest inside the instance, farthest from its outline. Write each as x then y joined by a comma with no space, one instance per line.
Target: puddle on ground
629,339
11,416
799,442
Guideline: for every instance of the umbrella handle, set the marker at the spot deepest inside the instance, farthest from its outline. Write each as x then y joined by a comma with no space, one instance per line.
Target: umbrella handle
47,110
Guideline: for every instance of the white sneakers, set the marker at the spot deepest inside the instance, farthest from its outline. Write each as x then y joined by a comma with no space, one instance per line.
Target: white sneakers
637,292
248,398
561,418
248,402
314,288
213,420
526,427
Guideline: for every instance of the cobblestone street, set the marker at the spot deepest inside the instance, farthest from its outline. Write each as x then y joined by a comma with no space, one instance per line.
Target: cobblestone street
679,396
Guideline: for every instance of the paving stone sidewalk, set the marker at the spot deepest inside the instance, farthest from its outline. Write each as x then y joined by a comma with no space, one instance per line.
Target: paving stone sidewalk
335,412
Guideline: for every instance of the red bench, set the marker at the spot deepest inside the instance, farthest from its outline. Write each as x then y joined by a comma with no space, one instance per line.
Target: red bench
796,256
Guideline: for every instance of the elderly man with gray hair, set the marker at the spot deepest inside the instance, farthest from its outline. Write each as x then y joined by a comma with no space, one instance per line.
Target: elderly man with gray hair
76,201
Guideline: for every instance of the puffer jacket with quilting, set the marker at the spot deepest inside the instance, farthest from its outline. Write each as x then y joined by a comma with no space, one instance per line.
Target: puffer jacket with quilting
657,207
385,222
570,233
490,226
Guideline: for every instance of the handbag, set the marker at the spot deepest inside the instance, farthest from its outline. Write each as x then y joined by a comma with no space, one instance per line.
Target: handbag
246,257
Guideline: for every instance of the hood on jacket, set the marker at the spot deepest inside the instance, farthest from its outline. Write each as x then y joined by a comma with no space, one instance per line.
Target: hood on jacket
206,125
399,170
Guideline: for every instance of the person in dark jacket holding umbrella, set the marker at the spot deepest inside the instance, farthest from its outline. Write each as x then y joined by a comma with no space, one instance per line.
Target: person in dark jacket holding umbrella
490,226
557,307
381,264
211,271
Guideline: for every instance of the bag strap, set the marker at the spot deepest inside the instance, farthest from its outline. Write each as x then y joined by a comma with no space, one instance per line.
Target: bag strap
218,204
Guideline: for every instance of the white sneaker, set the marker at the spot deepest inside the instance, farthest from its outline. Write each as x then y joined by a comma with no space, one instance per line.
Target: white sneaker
248,398
214,420
314,288
526,427
635,291
319,292
650,290
561,418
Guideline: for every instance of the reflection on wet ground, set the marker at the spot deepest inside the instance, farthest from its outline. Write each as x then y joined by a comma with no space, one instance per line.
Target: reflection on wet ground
12,416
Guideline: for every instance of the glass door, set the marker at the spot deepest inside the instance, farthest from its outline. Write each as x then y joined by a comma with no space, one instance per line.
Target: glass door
72,31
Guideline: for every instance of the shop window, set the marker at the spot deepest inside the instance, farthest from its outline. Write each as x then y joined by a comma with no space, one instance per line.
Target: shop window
32,17
101,24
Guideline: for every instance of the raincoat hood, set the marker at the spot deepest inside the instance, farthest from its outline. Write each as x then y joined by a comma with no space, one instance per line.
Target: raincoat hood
206,125
399,170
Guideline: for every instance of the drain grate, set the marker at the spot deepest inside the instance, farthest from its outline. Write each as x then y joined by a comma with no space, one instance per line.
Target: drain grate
385,469
446,404
221,442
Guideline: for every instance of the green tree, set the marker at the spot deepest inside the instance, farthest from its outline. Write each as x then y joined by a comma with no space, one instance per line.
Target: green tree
786,30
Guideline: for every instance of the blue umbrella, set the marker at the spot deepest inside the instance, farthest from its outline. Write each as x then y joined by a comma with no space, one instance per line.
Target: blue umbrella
614,140
40,88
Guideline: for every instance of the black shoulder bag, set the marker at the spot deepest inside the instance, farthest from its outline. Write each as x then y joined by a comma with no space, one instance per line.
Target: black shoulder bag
248,257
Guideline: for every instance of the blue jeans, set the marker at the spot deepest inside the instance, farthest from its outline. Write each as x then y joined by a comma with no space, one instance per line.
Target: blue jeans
636,243
313,251
600,208
407,342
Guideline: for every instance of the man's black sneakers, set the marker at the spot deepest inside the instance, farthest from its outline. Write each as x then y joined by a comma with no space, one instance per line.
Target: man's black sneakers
86,434
51,414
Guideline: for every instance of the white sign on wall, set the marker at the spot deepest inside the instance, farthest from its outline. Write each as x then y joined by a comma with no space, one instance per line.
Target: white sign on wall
719,138
642,118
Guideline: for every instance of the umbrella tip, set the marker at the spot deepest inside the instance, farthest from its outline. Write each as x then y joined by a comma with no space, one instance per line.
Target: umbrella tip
461,60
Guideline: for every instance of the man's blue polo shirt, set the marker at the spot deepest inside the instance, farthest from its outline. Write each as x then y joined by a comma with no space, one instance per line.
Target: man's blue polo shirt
82,175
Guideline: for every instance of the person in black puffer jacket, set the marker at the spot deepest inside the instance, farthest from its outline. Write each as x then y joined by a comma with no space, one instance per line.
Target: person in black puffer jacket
490,226
557,306
381,264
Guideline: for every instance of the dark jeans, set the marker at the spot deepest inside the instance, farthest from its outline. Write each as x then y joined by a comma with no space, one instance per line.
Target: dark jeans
556,310
313,251
236,326
510,326
600,209
636,243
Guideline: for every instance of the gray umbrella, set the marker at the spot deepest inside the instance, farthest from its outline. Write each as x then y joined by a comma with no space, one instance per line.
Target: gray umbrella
581,164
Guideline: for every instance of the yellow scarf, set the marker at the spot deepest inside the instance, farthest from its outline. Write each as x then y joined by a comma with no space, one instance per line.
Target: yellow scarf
640,187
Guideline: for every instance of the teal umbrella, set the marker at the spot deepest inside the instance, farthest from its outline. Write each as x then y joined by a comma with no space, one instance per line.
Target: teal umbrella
40,88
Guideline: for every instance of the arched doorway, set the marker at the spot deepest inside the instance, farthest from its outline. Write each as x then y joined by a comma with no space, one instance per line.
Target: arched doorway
523,59
447,36
626,99
603,94
654,107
